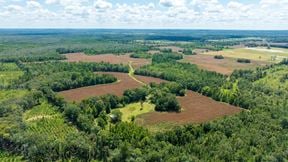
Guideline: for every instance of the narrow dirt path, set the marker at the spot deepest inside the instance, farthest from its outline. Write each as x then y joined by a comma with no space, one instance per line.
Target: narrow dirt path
131,74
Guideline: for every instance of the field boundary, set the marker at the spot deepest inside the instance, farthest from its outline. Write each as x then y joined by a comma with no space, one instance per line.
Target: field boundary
131,74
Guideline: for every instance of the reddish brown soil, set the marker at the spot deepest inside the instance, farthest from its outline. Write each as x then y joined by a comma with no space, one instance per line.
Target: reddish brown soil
124,83
223,66
111,58
195,109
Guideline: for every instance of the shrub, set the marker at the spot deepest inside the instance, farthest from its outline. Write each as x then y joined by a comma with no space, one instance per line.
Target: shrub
241,60
219,57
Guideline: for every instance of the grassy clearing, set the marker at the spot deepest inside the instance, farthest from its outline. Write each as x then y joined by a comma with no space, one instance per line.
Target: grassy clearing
135,110
45,120
6,157
276,78
260,54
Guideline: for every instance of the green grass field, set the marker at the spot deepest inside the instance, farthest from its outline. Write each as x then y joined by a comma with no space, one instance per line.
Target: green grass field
134,110
275,78
260,54
45,120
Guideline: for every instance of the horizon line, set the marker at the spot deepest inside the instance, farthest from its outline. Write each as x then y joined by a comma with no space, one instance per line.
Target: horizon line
111,28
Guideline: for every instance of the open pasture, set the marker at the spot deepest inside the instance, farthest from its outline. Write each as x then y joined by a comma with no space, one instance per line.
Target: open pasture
273,55
111,58
224,66
195,109
134,110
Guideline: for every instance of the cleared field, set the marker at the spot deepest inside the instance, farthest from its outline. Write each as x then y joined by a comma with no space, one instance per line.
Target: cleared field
196,109
223,66
124,82
45,120
260,54
134,110
111,58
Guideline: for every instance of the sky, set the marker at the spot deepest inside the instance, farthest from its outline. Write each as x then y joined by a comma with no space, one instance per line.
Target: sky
145,14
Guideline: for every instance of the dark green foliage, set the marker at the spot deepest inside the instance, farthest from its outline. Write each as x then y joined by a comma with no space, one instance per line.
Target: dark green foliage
65,50
166,50
284,78
116,116
166,57
241,60
284,123
72,112
219,57
166,102
141,55
64,76
135,95
188,51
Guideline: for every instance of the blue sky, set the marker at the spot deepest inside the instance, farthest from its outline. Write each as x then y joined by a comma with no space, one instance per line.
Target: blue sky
183,14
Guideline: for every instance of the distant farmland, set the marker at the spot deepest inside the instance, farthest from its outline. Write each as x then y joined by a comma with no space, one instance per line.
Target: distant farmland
223,66
259,54
111,58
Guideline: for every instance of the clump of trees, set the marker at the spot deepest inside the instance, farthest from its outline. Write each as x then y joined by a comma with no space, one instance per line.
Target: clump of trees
141,55
166,57
67,50
165,102
166,50
242,60
188,51
219,57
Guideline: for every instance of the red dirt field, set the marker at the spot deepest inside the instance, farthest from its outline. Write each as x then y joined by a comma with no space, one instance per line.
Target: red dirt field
124,83
196,109
223,66
111,58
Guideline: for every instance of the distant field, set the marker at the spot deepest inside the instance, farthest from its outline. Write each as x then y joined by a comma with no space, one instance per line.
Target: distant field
46,120
111,58
124,82
196,109
259,54
223,66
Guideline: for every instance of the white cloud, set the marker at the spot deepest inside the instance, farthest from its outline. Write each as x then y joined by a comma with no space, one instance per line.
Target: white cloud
168,13
33,5
172,3
51,1
102,5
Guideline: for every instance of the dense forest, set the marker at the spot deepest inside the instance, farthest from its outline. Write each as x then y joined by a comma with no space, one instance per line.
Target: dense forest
91,130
